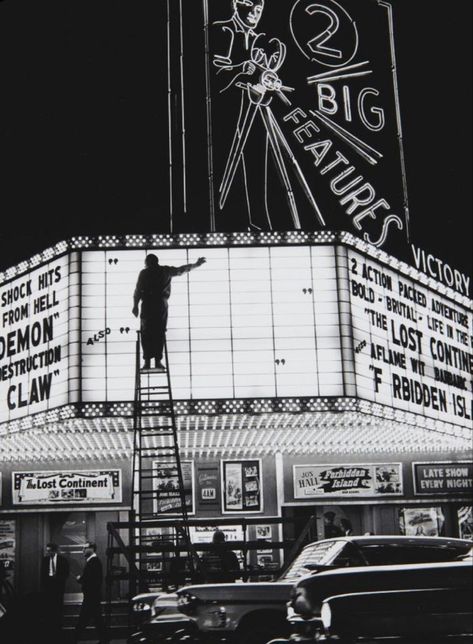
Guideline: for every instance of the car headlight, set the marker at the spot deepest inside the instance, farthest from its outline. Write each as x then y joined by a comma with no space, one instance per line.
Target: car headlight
326,616
301,603
187,603
141,607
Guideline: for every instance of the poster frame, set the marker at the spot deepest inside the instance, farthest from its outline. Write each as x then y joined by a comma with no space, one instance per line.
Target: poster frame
116,501
320,497
190,513
436,492
244,511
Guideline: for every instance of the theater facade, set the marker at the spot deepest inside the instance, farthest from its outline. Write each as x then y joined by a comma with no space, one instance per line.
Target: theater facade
312,373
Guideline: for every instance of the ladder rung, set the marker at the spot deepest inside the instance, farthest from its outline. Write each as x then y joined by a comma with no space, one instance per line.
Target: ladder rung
150,429
154,412
172,465
146,478
171,449
150,434
154,388
150,471
157,493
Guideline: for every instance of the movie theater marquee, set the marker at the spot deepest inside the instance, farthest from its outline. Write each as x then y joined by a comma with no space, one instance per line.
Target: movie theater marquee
34,341
412,347
258,321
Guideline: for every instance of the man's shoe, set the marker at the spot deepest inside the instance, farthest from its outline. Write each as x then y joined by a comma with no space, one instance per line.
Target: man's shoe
146,365
160,366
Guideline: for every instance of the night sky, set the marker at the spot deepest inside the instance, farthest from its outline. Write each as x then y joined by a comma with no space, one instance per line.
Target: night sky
81,122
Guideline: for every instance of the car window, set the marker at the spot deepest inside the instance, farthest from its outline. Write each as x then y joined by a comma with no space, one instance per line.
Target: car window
398,554
349,556
318,553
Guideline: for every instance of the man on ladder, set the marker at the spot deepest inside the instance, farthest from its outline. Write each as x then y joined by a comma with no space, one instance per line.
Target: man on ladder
153,290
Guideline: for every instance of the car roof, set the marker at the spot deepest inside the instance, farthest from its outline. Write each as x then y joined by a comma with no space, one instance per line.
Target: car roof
398,567
398,540
367,571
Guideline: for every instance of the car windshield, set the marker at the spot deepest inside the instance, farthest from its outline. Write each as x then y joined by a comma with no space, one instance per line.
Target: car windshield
318,553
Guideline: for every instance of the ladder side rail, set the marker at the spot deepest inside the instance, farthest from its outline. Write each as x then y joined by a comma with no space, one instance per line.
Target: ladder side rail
136,503
193,556
109,582
136,420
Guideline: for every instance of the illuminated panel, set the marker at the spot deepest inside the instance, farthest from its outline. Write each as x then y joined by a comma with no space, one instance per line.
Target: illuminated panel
253,322
252,318
327,322
412,346
210,311
35,343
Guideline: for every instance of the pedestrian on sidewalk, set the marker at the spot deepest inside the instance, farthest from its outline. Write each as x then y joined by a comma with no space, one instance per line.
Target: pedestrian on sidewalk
91,581
54,574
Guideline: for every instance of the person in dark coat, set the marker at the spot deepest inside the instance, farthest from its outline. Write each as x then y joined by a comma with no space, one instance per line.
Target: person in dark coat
332,530
54,574
91,582
220,564
153,290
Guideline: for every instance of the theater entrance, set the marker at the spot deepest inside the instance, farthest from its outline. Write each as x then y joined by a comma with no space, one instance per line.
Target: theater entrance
331,521
71,531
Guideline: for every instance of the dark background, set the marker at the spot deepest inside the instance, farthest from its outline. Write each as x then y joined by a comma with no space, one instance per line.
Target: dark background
83,122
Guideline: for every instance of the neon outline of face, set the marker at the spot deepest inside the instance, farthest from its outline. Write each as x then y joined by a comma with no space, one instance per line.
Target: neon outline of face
249,11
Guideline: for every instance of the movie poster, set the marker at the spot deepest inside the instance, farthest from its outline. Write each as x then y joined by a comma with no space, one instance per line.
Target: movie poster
316,481
204,534
168,499
422,522
7,544
67,488
465,522
208,488
242,486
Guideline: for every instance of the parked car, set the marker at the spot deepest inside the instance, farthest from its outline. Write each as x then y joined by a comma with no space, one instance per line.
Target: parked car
253,613
427,602
164,621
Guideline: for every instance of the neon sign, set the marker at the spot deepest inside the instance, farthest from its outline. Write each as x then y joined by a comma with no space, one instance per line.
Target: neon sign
304,99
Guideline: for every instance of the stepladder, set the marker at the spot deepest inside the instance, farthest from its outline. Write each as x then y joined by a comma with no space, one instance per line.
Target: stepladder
162,484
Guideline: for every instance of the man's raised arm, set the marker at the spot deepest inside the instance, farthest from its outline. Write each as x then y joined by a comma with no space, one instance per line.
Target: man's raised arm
189,267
